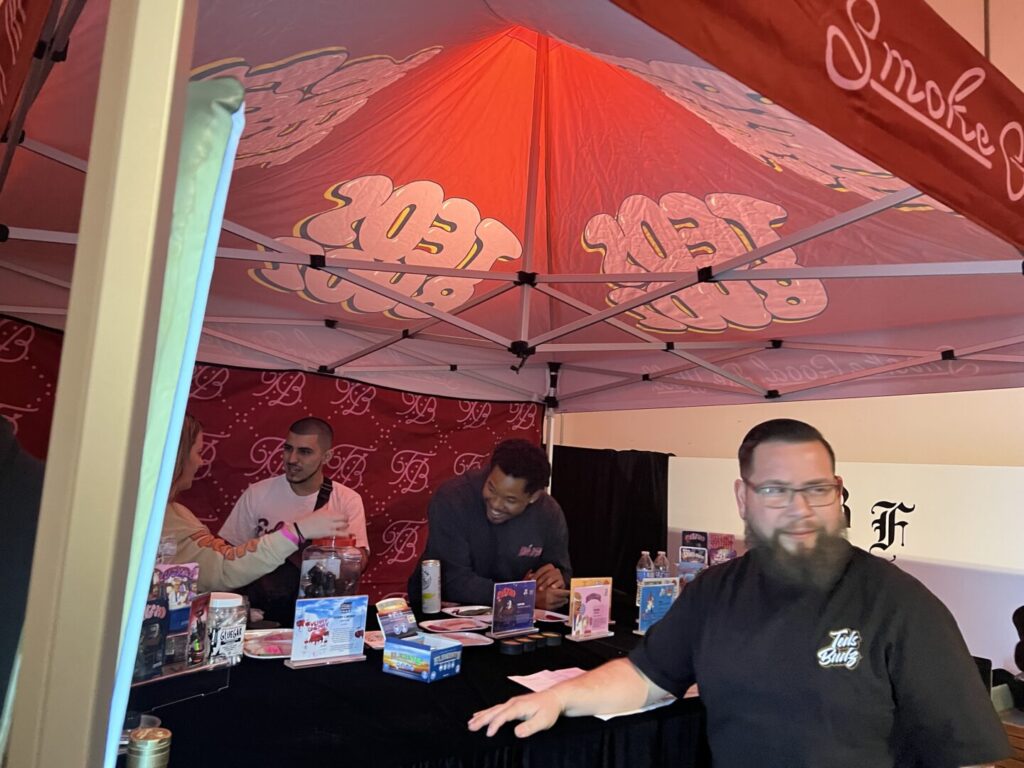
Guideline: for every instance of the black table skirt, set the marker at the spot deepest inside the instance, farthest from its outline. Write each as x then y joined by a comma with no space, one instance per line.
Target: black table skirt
356,715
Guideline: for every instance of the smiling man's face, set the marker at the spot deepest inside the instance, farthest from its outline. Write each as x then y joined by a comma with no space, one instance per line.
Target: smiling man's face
505,496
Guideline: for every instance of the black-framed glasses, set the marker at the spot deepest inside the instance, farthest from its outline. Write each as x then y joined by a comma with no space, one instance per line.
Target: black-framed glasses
817,495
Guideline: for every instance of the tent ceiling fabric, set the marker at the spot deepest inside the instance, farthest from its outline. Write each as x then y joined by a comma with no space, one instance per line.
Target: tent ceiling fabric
522,199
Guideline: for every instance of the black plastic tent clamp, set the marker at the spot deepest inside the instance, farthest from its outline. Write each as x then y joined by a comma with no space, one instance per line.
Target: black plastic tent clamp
776,343
704,275
526,278
21,137
317,261
948,354
551,401
669,346
5,233
772,394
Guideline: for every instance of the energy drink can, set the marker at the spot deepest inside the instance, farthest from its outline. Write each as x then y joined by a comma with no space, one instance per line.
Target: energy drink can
431,586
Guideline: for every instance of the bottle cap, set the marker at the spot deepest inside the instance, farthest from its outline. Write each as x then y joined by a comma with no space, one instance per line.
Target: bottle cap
335,541
225,600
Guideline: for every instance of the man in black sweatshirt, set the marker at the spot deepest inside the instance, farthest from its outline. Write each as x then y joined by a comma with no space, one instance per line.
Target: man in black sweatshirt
499,524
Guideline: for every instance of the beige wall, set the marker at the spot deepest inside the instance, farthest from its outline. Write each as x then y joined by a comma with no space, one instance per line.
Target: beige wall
985,428
1005,24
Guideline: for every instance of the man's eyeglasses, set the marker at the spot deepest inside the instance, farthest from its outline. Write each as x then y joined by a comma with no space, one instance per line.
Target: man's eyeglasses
819,495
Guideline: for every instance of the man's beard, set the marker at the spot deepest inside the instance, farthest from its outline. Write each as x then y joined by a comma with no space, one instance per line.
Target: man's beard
818,567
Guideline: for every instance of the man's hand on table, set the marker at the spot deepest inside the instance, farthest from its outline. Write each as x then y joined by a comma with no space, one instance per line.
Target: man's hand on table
537,711
551,591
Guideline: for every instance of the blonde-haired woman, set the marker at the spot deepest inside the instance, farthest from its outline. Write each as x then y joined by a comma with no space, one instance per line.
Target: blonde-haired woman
223,566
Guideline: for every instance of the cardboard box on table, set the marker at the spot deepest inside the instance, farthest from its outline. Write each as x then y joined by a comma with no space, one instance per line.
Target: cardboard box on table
413,654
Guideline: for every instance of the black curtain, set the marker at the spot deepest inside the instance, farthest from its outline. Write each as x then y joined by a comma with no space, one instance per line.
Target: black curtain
616,504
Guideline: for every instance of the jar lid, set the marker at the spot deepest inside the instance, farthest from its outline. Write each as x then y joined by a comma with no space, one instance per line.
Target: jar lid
147,739
335,541
225,600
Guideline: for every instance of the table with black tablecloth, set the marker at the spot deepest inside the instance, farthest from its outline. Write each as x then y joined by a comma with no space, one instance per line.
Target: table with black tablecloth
355,714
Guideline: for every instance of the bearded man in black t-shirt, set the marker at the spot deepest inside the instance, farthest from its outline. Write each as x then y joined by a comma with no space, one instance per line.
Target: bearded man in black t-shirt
808,652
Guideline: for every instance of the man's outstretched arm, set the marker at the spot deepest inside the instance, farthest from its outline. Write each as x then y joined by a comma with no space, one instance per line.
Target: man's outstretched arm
613,687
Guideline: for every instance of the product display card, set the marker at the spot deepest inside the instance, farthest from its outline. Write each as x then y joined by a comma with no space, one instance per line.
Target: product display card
396,618
694,539
590,603
693,555
656,597
329,628
513,608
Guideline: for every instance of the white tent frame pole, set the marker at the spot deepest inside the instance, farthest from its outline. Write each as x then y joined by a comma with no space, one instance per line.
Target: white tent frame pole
635,378
39,68
73,620
52,153
40,276
9,309
408,333
626,328
528,394
45,150
809,233
340,325
288,358
858,271
294,257
420,306
931,357
1015,359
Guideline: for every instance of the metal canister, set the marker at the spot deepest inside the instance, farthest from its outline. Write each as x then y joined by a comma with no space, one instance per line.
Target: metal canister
149,748
431,586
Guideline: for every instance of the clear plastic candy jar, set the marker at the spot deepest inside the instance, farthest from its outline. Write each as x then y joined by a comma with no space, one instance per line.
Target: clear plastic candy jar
330,567
226,626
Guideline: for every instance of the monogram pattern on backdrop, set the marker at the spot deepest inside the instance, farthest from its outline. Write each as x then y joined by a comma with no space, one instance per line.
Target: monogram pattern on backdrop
394,448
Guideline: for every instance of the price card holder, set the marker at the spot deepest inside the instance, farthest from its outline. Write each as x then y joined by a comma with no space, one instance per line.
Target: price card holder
589,605
512,608
328,630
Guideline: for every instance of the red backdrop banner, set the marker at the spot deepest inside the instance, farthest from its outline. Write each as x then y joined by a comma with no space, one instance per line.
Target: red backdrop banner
394,448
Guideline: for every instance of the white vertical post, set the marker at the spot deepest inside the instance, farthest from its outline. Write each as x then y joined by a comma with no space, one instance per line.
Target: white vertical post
77,592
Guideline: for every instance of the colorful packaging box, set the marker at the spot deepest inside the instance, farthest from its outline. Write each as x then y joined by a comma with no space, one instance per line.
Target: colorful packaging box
178,583
423,657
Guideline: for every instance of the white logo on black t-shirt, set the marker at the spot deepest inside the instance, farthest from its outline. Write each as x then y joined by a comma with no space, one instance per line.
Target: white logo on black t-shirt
843,651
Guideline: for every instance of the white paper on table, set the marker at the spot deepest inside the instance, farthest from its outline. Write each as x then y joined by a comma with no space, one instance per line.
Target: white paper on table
546,678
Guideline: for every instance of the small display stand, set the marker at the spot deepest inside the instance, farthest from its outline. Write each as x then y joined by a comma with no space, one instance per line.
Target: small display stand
589,607
513,606
328,630
656,597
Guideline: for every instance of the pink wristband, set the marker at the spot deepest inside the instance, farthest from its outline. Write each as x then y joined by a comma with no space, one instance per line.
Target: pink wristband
287,533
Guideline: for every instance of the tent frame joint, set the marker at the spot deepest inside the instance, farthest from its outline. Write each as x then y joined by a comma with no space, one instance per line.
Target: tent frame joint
5,233
705,274
948,354
21,137
776,343
772,394
317,261
325,369
550,401
526,278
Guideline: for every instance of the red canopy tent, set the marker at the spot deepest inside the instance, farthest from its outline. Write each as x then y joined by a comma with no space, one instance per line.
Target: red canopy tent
565,202
529,200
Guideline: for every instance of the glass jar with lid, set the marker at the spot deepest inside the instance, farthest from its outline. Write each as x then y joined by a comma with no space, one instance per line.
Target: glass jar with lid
330,567
226,626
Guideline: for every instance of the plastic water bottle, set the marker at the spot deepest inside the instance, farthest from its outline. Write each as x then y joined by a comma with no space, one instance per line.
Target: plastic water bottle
661,568
644,570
